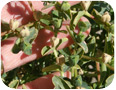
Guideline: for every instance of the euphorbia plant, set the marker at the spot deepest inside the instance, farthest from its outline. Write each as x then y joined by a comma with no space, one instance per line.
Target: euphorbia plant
67,45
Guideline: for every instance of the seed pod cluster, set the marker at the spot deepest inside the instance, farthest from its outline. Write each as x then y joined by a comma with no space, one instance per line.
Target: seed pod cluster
106,17
106,58
85,4
13,24
25,32
54,41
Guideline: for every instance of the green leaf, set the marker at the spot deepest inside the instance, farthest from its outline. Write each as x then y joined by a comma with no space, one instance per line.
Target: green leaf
51,68
44,21
62,41
47,6
14,84
65,67
65,6
80,37
45,50
24,87
77,81
49,28
55,13
67,15
83,45
59,82
97,16
73,60
32,36
4,26
57,22
77,18
63,31
109,80
85,85
26,47
83,26
16,48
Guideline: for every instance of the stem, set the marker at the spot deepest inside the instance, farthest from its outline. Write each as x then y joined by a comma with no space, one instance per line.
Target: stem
110,67
89,15
70,33
62,73
98,71
10,31
98,60
72,72
6,32
73,11
75,73
91,58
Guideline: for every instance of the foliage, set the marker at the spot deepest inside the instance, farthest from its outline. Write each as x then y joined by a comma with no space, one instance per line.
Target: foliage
80,57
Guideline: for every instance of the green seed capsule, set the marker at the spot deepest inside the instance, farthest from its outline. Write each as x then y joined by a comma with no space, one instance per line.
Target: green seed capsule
65,6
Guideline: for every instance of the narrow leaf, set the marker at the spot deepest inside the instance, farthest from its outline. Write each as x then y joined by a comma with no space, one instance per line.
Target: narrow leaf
109,80
14,84
59,82
51,68
84,46
45,50
47,6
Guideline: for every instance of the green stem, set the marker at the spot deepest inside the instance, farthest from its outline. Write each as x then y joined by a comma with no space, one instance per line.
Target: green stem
75,73
98,60
72,72
89,15
70,33
62,73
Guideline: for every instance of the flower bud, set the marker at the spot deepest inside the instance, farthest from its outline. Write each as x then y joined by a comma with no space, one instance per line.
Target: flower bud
25,32
60,60
13,24
106,17
54,41
106,58
85,4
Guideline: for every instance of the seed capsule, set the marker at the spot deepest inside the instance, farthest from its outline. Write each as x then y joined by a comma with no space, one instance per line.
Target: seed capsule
81,72
106,58
85,4
13,24
25,32
106,17
60,60
54,41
